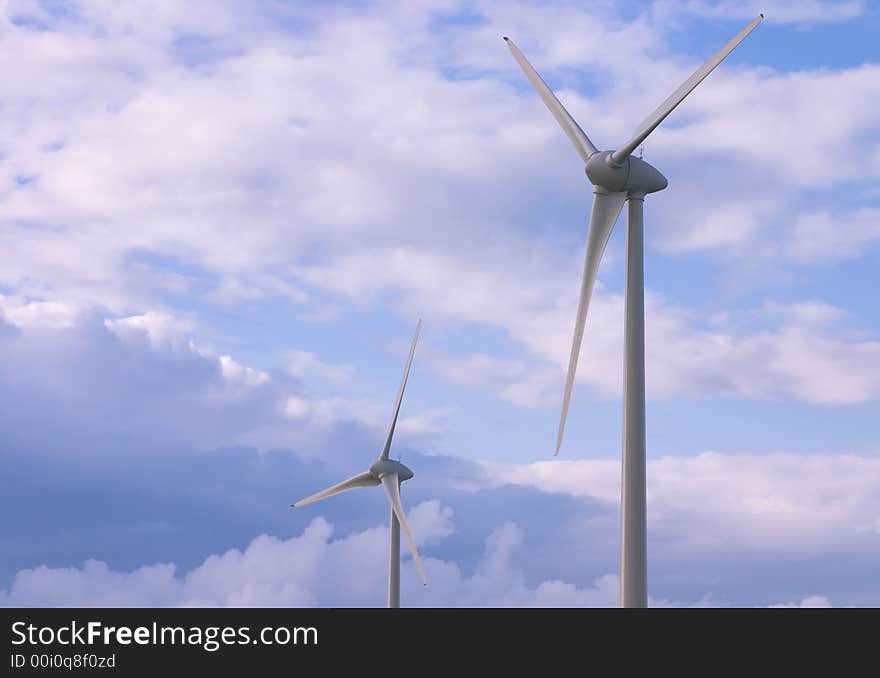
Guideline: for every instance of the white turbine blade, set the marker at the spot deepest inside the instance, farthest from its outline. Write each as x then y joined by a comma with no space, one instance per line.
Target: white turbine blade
362,480
679,95
392,486
580,140
412,350
606,209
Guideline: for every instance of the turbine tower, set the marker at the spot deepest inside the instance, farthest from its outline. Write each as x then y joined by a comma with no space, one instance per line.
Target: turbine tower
390,474
618,177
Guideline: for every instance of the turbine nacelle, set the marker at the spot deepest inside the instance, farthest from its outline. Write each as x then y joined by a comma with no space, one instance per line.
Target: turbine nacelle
633,175
385,467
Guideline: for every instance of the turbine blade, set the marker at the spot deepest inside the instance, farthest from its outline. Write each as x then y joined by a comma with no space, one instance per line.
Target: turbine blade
674,99
362,480
412,350
606,209
581,142
392,487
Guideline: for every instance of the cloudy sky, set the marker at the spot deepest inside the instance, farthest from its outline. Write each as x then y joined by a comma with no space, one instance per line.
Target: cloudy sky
220,221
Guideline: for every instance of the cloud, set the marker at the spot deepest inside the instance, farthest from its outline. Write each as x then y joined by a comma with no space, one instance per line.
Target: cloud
824,237
310,570
160,327
811,601
128,383
794,359
143,168
512,380
314,569
176,165
125,385
301,364
737,521
801,12
724,529
33,313
771,502
171,174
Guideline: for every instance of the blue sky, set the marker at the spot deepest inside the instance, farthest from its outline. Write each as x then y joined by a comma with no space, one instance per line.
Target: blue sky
220,222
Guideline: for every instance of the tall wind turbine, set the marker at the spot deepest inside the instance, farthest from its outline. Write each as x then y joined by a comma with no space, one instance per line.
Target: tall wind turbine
390,474
617,177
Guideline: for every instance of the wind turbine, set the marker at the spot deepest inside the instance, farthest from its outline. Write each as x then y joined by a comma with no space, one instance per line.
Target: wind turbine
618,177
390,474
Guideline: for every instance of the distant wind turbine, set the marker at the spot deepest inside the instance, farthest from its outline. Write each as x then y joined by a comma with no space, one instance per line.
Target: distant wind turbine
390,474
618,177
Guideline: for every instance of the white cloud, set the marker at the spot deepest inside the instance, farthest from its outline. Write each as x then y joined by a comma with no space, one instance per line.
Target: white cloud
775,502
149,163
303,364
785,512
824,237
165,331
160,327
796,359
277,165
148,378
804,12
161,175
236,372
313,570
269,572
815,104
512,380
810,601
49,314
804,313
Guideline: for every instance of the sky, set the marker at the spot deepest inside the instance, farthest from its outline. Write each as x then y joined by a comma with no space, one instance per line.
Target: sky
220,222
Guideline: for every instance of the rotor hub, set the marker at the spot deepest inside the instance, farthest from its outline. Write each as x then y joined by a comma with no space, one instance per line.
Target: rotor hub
383,467
633,175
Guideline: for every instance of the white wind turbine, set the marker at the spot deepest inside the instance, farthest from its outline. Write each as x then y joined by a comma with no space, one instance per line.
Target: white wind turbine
389,473
617,177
